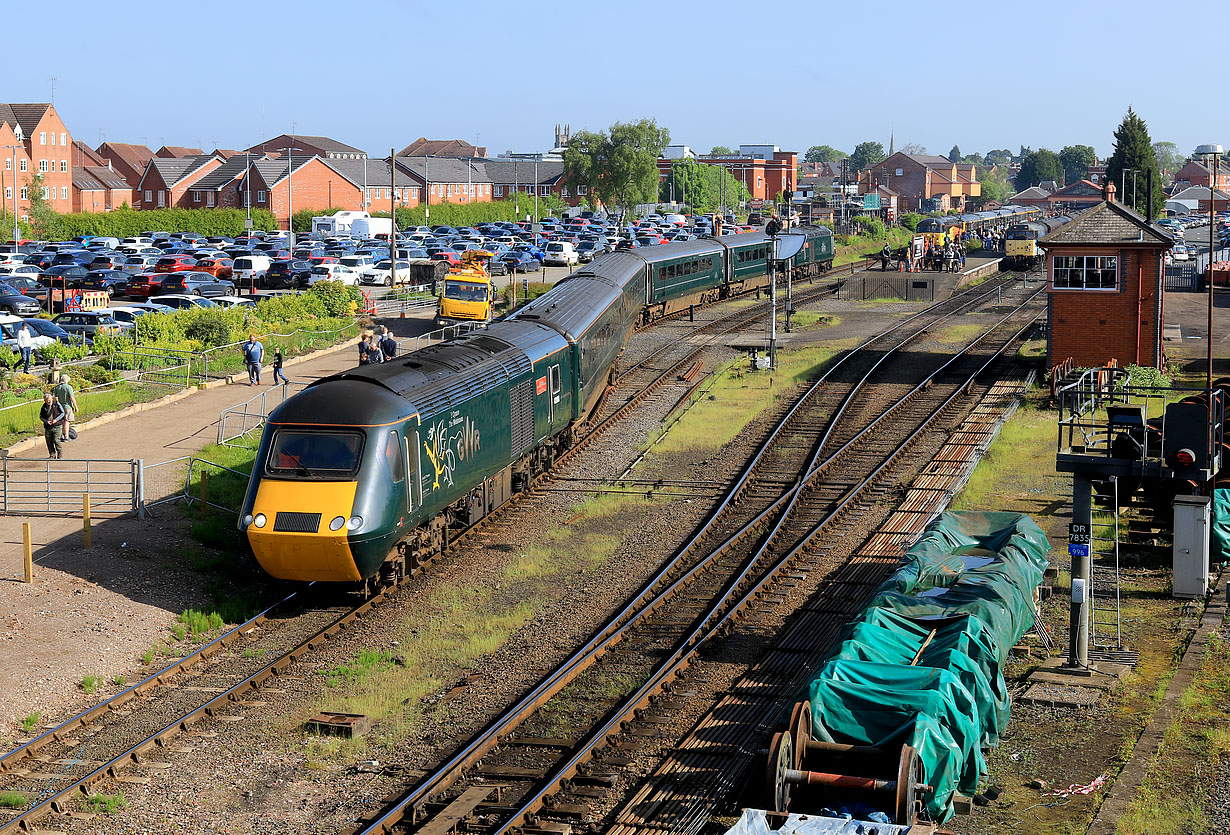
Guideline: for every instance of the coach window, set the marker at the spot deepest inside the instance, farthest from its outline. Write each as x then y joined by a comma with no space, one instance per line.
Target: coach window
661,273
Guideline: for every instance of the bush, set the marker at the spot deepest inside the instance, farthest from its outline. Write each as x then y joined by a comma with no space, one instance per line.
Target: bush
95,375
125,222
63,353
1146,376
873,227
338,299
211,327
973,245
910,220
107,345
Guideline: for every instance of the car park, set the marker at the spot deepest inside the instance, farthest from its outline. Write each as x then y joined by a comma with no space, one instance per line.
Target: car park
1180,253
63,275
12,270
217,266
111,282
521,261
174,263
9,327
560,253
16,303
145,285
287,273
89,323
378,273
332,272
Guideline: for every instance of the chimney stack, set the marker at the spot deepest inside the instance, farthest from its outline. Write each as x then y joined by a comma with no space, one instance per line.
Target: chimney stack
1108,191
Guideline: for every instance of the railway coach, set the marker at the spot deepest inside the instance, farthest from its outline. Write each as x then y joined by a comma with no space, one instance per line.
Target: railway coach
368,472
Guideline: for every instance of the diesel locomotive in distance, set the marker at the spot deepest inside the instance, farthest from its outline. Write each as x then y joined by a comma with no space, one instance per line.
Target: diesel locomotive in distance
367,472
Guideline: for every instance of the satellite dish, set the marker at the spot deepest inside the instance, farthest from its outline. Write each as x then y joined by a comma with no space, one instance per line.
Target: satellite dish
789,245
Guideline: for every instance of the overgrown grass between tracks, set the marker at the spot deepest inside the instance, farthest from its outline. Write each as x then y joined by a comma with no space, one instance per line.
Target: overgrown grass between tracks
737,397
459,621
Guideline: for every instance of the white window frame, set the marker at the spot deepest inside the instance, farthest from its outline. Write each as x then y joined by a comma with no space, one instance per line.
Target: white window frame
25,165
563,192
582,191
1082,267
64,139
499,191
42,137
162,198
8,192
260,197
149,196
63,192
25,192
8,164
42,166
210,198
196,196
45,195
63,166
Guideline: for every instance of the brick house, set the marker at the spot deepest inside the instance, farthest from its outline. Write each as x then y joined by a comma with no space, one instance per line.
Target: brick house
97,188
925,183
129,161
44,149
765,170
178,152
455,148
448,180
1104,296
1198,196
1035,196
1199,173
166,181
527,176
320,146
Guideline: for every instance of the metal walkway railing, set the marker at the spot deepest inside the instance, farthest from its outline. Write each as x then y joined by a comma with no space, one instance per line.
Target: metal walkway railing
33,486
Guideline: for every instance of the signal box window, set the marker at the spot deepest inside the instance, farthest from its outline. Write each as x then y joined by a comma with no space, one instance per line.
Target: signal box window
1085,272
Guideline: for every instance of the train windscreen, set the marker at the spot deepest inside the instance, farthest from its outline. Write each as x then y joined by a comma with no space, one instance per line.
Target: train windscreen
308,454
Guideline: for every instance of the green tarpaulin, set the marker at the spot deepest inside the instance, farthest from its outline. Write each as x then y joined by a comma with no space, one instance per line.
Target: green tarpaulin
1221,526
923,664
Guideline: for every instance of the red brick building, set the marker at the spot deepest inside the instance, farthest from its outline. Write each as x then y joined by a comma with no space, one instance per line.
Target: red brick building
166,181
320,146
178,152
1199,173
454,148
527,176
1105,277
924,183
97,188
765,170
129,160
44,149
448,180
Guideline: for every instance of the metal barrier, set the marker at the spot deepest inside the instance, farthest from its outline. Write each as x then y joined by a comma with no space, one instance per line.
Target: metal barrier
36,486
166,366
184,493
904,286
242,420
1182,278
401,301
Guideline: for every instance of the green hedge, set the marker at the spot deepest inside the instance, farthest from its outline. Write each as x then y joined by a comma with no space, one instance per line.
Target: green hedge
125,222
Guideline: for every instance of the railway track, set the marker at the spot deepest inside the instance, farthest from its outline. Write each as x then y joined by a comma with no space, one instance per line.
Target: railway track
101,743
528,767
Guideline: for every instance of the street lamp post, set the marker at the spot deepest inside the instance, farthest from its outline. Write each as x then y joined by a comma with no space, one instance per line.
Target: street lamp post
290,191
1215,151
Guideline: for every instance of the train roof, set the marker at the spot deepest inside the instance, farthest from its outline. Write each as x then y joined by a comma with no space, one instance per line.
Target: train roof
574,304
682,249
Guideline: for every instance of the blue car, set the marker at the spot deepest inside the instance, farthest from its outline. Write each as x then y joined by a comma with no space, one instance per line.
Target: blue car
521,261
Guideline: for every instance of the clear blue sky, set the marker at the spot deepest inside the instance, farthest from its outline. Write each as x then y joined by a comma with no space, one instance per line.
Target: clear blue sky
379,74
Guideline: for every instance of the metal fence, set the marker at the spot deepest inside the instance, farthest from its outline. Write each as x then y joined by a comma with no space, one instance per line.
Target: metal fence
246,418
909,287
34,486
164,367
412,298
173,490
1182,278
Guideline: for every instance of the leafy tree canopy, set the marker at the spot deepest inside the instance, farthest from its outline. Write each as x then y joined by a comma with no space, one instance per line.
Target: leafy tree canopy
701,187
823,153
1168,156
1076,160
866,154
998,156
1037,166
1134,152
913,148
619,165
955,154
722,150
995,185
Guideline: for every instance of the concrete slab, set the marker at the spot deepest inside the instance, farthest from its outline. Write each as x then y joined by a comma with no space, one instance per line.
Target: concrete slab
1100,675
1060,695
1172,333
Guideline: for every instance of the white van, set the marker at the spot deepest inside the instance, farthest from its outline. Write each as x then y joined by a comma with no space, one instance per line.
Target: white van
358,263
249,270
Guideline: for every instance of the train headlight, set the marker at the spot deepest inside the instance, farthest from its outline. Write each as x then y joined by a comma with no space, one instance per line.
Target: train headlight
259,520
247,520
354,523
337,523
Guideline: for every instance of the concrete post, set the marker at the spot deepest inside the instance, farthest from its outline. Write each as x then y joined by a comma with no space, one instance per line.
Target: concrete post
1082,571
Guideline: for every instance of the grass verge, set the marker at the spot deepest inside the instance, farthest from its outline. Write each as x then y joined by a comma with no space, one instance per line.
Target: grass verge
860,246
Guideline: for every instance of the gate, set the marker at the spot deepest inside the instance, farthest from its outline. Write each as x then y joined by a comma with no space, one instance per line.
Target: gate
44,486
167,367
1182,278
909,287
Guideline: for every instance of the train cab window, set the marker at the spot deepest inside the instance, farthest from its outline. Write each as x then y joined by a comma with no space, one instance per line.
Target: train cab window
555,383
393,457
308,454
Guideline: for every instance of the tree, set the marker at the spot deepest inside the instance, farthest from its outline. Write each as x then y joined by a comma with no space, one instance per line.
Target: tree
42,216
1076,160
975,158
913,148
620,166
823,153
1168,157
955,154
1134,152
722,150
1037,166
998,156
995,185
1024,152
866,154
700,186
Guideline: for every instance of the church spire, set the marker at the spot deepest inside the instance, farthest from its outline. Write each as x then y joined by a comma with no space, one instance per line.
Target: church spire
891,137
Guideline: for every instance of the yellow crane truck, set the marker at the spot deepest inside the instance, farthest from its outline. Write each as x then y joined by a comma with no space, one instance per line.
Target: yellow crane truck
468,294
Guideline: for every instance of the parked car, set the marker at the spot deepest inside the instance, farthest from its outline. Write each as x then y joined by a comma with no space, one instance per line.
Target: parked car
17,269
521,261
233,301
15,303
145,285
216,266
63,275
174,264
48,328
249,270
112,282
10,325
89,323
197,284
448,256
286,274
148,307
1180,253
331,272
181,302
561,253
379,274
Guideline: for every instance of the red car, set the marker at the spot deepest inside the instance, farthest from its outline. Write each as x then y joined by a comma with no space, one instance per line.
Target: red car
217,267
145,285
453,259
322,259
174,263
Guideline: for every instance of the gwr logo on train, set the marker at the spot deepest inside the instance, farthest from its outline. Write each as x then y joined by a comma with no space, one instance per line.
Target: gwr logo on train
447,448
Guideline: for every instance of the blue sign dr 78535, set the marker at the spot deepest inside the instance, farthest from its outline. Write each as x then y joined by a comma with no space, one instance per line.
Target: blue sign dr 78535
1075,550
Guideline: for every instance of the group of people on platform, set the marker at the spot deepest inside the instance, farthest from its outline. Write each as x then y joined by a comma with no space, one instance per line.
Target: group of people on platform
937,257
377,345
58,413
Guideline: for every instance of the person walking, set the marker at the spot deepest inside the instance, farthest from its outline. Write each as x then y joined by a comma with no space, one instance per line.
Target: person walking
277,367
25,344
67,399
52,416
253,353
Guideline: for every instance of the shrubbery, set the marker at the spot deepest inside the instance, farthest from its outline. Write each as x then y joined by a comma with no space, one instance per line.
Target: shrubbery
910,220
124,222
872,227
